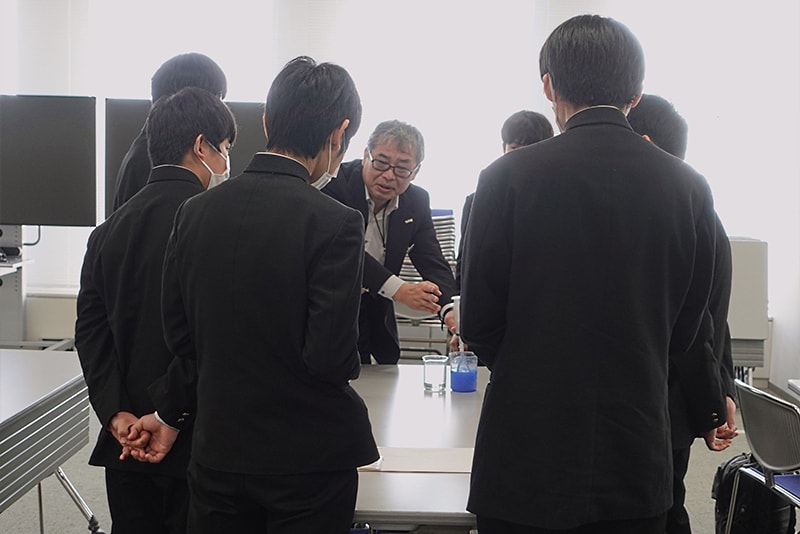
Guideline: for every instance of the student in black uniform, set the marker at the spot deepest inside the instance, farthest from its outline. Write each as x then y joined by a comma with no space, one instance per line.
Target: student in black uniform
118,332
184,70
657,120
273,328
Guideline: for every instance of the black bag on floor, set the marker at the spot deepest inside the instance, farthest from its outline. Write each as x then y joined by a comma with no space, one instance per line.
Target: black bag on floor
758,510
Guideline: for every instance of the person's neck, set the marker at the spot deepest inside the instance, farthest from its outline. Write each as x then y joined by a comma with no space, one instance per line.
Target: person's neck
308,163
566,110
379,206
192,164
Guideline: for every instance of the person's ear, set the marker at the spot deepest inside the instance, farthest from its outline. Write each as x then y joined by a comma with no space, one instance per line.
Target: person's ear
264,123
337,136
415,173
199,146
636,99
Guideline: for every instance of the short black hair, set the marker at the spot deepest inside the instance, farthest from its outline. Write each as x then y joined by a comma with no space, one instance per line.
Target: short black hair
593,60
188,70
657,118
526,128
306,102
175,121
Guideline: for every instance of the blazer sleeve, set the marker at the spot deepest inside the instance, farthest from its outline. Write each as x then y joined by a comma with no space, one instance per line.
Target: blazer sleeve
692,349
426,255
375,273
696,301
464,220
94,340
719,304
487,264
334,295
700,381
174,394
727,372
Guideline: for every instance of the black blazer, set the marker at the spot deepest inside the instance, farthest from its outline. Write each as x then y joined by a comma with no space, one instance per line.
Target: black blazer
464,220
410,229
118,331
588,259
261,287
133,172
684,391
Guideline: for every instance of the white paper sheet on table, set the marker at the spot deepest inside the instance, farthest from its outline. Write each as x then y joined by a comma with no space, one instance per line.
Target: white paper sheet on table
422,460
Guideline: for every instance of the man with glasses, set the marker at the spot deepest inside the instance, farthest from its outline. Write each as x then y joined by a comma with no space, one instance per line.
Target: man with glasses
398,220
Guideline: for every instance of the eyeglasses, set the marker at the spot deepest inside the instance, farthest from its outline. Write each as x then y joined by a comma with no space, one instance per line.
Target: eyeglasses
401,173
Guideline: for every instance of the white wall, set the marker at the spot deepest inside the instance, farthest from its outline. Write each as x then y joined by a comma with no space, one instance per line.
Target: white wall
457,70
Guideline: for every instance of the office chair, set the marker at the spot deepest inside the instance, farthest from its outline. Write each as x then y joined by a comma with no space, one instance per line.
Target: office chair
772,427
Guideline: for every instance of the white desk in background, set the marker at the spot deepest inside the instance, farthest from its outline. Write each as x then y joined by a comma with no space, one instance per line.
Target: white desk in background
44,420
426,444
12,298
794,386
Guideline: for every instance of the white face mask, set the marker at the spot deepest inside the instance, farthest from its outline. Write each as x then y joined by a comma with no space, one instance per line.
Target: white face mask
327,176
217,179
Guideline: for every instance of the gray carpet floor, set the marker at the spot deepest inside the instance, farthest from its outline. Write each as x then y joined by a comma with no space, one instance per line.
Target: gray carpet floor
62,516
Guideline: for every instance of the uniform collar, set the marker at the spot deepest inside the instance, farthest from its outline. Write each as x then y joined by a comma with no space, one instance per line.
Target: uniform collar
271,163
598,115
163,173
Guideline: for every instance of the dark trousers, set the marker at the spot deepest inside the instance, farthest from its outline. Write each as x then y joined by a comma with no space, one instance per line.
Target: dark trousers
222,503
652,525
374,339
141,502
677,516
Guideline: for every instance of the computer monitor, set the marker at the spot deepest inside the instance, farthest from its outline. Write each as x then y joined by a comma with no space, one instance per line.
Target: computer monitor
47,160
125,119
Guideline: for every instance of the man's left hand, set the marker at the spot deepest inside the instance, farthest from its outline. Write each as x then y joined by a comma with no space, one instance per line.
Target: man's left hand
728,430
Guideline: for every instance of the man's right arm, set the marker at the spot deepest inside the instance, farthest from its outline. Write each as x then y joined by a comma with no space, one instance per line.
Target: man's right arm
695,304
174,394
692,350
95,341
487,264
334,298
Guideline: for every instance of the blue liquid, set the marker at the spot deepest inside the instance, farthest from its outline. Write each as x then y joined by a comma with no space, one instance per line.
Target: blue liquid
466,380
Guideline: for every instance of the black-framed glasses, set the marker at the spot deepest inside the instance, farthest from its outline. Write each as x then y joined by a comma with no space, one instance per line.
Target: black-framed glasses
401,173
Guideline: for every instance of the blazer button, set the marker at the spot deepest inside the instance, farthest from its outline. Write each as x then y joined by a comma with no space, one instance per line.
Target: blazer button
181,419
